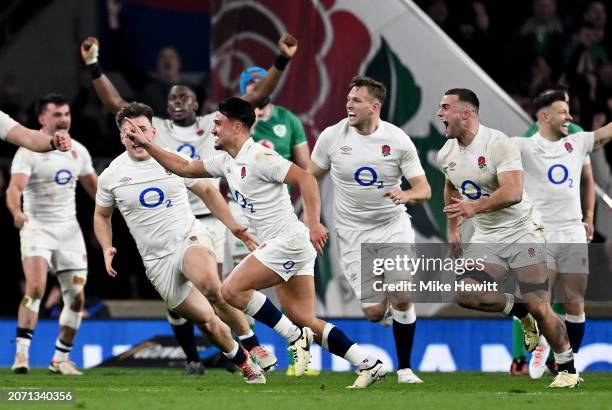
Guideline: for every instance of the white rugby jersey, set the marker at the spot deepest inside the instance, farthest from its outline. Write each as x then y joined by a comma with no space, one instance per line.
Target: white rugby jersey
473,172
363,168
195,141
49,195
552,176
153,203
255,177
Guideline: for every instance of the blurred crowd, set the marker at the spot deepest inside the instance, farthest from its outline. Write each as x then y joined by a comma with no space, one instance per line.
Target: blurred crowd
528,46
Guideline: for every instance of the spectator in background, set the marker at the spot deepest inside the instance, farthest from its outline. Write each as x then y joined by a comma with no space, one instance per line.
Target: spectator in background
151,90
539,41
586,57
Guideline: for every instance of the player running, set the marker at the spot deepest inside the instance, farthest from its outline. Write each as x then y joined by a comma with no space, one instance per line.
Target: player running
256,176
176,249
554,161
190,134
367,158
484,181
51,238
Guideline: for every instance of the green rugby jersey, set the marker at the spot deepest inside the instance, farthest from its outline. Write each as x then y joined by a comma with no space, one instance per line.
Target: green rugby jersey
281,132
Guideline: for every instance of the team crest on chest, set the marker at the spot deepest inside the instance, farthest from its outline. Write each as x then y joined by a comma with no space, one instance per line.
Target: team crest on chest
482,162
200,132
243,172
386,150
125,180
280,130
74,154
569,147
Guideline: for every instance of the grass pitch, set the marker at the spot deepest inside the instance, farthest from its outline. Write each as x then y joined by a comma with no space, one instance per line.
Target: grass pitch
113,389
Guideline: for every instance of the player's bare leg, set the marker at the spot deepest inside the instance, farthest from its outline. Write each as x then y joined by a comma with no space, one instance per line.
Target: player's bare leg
200,267
572,295
35,270
297,296
71,285
240,290
196,308
497,301
534,287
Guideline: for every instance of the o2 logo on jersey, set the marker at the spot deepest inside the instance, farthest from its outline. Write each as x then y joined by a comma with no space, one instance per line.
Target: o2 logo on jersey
288,265
243,201
471,190
559,174
154,197
188,149
63,176
363,172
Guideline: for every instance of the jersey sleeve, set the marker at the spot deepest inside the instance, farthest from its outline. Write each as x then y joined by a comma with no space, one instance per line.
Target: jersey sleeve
271,166
320,153
23,162
214,165
86,162
409,161
104,196
189,182
506,156
6,124
587,140
298,136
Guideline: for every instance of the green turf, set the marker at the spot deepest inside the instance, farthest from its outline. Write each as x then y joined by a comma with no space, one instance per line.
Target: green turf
113,389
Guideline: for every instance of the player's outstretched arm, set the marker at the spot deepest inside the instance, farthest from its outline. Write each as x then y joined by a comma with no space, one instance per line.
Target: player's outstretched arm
419,192
33,140
105,89
13,198
218,206
287,46
603,135
312,204
104,233
169,160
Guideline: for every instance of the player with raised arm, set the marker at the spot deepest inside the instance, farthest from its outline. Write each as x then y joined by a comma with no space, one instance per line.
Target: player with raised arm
554,161
484,181
176,249
257,177
367,158
188,133
51,238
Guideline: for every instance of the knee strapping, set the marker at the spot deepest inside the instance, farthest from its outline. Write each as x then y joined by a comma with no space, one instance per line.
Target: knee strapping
526,287
31,303
71,284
